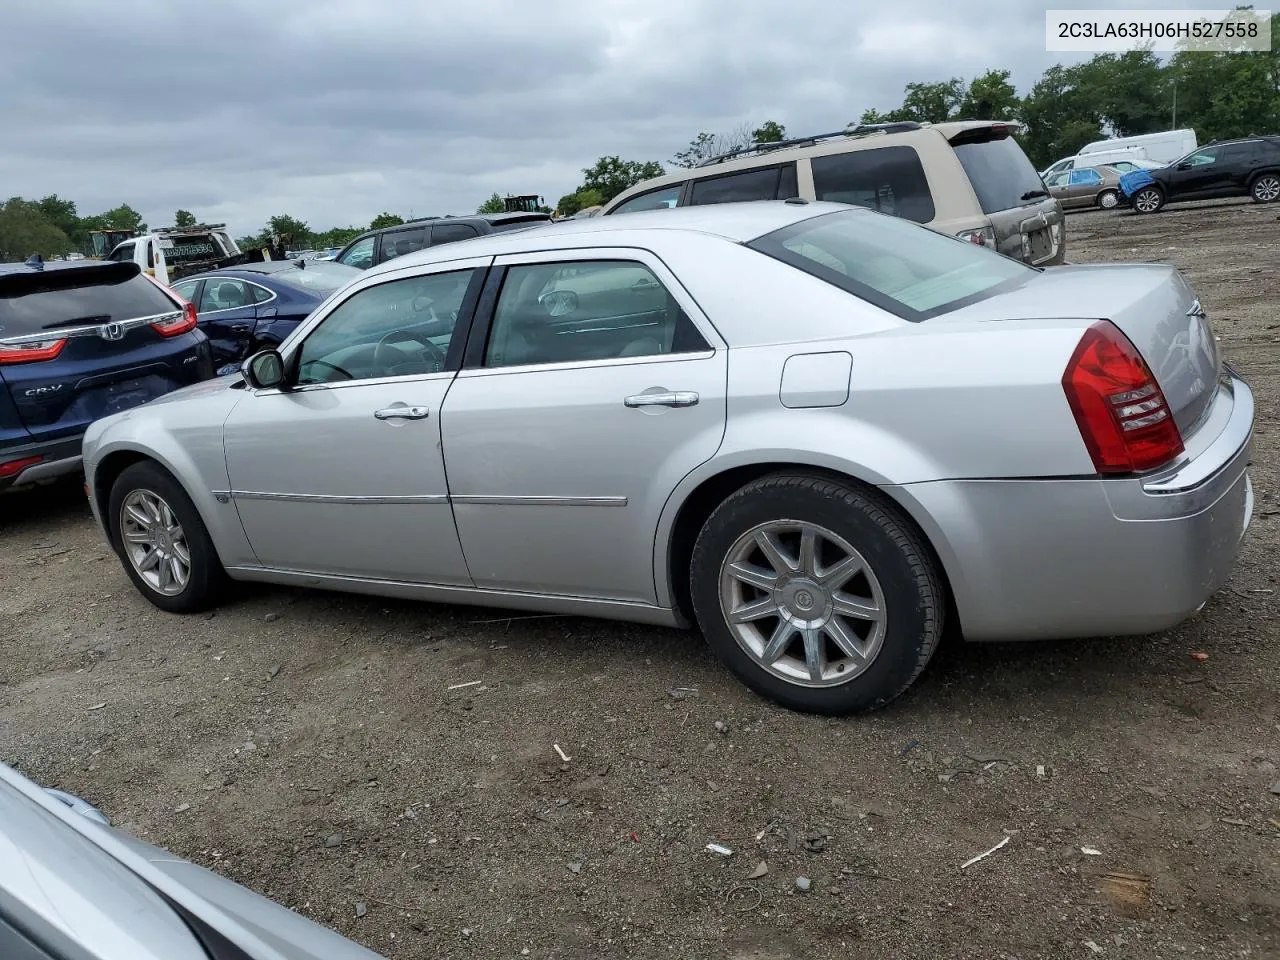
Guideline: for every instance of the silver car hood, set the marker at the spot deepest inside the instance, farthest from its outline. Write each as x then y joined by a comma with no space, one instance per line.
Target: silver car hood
203,389
1151,303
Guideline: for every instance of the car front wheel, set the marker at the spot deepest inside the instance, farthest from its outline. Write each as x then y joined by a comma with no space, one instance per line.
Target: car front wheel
1266,188
1148,200
816,594
162,542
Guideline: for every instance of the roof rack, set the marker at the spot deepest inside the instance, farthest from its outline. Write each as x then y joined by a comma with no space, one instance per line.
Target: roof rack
852,130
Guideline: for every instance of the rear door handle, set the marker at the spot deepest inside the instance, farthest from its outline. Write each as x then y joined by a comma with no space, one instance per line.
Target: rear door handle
672,398
401,413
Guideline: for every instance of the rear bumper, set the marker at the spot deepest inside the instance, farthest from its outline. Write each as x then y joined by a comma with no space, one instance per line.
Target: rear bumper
1041,559
57,458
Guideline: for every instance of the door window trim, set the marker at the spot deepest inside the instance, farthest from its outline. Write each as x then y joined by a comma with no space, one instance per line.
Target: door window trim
247,283
453,356
486,309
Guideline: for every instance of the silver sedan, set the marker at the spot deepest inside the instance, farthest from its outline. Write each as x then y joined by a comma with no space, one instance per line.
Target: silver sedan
819,433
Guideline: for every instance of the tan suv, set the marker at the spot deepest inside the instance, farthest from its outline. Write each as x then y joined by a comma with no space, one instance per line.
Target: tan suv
966,178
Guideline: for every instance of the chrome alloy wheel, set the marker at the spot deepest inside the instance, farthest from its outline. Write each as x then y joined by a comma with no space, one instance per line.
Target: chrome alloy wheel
1266,189
802,603
154,542
1147,201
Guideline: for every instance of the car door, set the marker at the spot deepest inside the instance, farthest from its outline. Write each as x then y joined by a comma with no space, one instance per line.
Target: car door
1059,185
226,313
342,474
1083,187
1238,163
1196,175
590,388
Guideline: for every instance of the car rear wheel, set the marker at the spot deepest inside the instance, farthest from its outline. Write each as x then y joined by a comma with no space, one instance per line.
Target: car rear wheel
1148,200
816,594
162,542
1107,199
1265,188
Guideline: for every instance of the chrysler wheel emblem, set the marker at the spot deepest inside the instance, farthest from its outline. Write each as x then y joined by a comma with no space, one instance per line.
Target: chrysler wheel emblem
111,331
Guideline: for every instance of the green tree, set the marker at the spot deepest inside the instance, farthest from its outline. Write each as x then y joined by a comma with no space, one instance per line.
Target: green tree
578,200
336,236
62,214
990,97
932,102
611,175
123,217
769,132
385,219
26,230
493,205
184,218
1059,115
705,145
295,232
1128,91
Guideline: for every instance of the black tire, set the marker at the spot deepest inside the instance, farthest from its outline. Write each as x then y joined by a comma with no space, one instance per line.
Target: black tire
207,579
1265,188
1108,199
1150,199
911,588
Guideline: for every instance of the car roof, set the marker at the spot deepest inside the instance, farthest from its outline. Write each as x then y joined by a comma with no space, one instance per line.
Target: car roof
50,265
735,222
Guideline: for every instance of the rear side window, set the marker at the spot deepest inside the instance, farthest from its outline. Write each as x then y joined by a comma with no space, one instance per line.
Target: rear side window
1001,174
123,254
405,241
910,271
888,179
450,232
759,184
664,198
80,296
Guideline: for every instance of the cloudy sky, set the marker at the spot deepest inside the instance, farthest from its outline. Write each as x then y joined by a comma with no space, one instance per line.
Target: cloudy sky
334,110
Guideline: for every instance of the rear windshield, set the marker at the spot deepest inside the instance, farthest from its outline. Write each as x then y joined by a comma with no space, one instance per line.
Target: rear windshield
909,270
1001,174
77,296
318,276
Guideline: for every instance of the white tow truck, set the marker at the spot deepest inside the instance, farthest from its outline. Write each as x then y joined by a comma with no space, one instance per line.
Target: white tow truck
170,253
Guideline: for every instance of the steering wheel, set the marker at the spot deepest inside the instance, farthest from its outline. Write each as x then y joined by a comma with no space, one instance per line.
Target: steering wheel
333,366
399,336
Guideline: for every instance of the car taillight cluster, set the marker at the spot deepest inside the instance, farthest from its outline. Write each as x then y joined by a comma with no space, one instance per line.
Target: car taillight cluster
31,351
177,325
1124,419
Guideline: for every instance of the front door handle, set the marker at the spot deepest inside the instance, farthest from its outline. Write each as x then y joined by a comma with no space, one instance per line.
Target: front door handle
401,413
672,398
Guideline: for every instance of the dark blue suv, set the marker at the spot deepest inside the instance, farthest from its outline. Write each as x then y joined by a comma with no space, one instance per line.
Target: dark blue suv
78,341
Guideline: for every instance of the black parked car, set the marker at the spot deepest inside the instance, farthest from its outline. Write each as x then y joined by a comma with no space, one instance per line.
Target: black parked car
379,246
1231,168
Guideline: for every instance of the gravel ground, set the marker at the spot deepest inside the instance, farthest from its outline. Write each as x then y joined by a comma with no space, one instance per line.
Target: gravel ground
317,754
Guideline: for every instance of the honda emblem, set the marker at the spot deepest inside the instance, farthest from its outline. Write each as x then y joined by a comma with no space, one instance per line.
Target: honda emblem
111,331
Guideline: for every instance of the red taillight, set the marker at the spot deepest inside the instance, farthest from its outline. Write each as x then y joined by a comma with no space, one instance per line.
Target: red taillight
31,351
1124,420
171,328
15,467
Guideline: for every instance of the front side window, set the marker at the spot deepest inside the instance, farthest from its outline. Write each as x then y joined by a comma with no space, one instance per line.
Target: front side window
223,294
395,329
758,184
1058,180
912,272
586,310
360,255
664,198
1202,158
888,179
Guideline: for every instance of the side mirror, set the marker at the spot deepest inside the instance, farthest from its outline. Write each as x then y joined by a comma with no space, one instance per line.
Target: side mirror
264,370
1184,166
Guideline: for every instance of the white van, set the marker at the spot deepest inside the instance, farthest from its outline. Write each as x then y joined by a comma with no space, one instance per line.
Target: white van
1164,147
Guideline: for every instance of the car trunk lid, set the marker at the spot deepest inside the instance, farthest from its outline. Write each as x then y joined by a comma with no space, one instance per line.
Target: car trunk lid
1153,306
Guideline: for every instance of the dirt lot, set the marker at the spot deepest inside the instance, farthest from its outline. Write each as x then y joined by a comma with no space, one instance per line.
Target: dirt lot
316,754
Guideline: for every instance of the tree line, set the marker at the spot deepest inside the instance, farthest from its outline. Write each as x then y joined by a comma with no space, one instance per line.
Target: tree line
1219,95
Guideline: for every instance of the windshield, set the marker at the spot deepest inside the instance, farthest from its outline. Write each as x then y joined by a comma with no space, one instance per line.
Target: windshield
1001,174
909,270
318,276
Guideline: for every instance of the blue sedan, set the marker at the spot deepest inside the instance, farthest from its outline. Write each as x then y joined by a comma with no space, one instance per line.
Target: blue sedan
245,308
